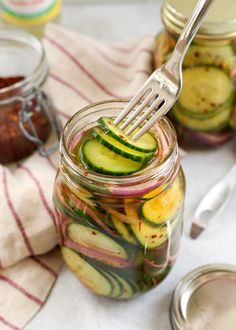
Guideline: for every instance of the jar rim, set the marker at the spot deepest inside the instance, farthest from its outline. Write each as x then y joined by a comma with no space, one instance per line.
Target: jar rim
174,18
167,166
39,74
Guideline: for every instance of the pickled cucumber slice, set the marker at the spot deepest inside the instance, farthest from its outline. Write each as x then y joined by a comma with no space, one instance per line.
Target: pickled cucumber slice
87,274
148,236
146,143
116,285
127,290
205,90
165,206
119,148
122,229
102,160
221,56
94,239
214,123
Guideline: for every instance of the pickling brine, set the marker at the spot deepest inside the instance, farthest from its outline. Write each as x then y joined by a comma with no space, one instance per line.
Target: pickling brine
119,204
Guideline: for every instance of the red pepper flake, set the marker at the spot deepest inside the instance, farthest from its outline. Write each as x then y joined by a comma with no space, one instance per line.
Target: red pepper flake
13,145
94,233
9,81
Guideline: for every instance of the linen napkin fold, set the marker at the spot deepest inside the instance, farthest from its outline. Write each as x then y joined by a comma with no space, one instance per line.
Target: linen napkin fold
82,71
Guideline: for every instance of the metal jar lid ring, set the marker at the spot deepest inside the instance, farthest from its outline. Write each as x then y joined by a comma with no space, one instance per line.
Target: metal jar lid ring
205,299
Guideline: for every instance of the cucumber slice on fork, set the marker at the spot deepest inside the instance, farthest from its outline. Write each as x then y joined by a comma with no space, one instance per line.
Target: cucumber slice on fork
119,148
102,160
146,143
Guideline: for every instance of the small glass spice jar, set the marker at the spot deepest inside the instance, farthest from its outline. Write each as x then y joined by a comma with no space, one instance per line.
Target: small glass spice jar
204,114
26,112
119,235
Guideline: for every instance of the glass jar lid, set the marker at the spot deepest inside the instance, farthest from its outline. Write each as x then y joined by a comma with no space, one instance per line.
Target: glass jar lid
219,23
205,299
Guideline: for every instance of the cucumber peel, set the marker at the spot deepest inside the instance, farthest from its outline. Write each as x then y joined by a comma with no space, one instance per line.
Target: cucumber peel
165,206
205,89
146,143
119,148
87,274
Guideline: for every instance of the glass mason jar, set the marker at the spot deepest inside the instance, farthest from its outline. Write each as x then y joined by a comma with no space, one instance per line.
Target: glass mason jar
26,112
204,115
119,235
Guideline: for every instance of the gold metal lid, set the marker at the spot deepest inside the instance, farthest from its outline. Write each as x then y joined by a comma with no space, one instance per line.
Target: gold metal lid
219,23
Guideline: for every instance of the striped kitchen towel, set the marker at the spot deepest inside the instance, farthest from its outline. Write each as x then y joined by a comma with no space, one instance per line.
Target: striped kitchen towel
82,71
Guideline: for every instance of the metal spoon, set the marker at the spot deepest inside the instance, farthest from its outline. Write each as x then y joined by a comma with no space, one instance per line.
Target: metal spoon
213,202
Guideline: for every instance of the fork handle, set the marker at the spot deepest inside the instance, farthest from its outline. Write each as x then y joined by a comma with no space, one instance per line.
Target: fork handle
189,31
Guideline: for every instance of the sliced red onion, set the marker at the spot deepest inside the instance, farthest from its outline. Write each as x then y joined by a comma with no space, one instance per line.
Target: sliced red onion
135,191
101,256
212,139
62,223
92,214
75,140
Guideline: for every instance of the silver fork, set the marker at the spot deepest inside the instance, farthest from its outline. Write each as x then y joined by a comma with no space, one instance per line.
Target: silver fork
161,90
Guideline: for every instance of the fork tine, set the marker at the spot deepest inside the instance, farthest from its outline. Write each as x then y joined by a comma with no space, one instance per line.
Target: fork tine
144,116
133,103
139,109
150,123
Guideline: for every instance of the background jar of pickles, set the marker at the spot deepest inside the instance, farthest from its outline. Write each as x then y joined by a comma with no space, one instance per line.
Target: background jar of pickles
205,112
119,235
25,110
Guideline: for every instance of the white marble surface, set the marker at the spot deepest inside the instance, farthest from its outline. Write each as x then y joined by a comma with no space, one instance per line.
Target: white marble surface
70,306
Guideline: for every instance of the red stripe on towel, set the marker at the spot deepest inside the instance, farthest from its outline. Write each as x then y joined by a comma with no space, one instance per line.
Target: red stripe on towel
119,64
8,324
51,163
15,215
22,290
45,266
63,114
130,80
83,69
70,86
41,192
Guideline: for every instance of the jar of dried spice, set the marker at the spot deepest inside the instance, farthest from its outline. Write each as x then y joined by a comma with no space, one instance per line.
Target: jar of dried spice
205,112
26,112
